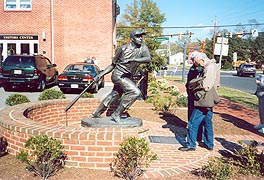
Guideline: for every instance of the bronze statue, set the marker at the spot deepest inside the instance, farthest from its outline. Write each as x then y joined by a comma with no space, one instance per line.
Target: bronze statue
124,64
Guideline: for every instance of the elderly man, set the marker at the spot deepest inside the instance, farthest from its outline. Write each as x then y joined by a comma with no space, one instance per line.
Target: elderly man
124,65
194,72
205,98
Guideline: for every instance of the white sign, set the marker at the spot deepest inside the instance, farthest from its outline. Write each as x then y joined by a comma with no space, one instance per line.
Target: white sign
254,32
235,56
217,49
220,39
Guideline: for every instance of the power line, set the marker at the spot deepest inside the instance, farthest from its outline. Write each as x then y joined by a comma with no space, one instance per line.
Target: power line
193,27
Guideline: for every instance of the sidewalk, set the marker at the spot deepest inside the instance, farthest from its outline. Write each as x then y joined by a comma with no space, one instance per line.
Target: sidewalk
172,162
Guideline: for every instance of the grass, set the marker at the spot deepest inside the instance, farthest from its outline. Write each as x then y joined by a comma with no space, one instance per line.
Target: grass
240,97
234,95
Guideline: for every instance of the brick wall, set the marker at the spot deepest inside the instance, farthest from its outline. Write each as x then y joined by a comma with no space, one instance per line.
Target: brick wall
81,29
85,147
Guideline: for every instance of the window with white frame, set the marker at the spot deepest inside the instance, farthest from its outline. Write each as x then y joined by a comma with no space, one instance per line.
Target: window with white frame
18,5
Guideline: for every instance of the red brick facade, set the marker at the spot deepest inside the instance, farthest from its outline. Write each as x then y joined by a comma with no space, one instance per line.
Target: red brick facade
85,147
73,30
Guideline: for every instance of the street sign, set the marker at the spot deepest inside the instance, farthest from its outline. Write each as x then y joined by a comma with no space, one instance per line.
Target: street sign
159,39
254,32
218,48
220,39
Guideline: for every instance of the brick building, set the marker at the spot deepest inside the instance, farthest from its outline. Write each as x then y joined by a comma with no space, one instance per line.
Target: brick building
66,31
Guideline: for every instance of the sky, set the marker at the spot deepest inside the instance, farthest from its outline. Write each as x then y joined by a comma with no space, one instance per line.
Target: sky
195,13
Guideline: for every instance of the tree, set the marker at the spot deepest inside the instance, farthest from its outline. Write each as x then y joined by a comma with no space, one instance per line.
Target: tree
257,49
143,14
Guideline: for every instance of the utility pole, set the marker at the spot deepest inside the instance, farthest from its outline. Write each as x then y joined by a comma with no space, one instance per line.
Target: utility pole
184,60
214,36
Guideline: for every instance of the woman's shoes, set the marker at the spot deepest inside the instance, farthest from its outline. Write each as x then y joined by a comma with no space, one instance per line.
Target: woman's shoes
258,126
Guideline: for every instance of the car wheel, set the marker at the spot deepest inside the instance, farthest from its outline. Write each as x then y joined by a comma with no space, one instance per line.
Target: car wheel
42,85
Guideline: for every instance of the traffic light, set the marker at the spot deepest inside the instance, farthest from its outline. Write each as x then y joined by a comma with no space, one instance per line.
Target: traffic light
230,34
180,35
190,34
243,33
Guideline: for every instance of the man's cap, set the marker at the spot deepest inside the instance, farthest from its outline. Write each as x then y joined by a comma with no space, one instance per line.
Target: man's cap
198,55
193,55
137,32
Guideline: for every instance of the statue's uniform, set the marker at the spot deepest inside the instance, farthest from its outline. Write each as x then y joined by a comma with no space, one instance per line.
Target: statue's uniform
122,75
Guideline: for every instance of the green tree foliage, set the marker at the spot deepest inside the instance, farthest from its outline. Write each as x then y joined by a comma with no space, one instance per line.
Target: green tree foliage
143,14
248,48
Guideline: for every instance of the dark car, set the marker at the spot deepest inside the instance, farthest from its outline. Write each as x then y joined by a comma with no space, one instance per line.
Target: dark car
78,76
246,70
164,67
28,71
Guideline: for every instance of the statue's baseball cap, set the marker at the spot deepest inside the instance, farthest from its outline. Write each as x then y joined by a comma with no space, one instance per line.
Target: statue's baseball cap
137,32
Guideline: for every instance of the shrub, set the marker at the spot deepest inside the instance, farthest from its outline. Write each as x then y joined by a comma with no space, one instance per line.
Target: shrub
133,155
44,156
162,103
217,168
87,95
174,92
15,99
248,160
182,100
49,94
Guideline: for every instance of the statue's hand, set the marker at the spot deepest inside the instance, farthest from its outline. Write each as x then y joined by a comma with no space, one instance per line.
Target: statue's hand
97,78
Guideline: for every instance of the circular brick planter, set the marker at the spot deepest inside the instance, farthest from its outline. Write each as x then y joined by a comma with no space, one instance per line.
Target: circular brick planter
85,147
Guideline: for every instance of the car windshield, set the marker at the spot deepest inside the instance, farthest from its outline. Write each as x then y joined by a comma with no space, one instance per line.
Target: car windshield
249,66
19,61
80,67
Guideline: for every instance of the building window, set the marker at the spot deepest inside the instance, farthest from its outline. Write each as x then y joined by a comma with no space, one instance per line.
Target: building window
24,48
11,49
35,48
15,5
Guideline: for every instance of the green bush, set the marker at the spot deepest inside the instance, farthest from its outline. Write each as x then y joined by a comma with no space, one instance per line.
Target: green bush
182,101
87,95
162,103
44,156
15,99
248,159
49,94
133,155
217,169
174,92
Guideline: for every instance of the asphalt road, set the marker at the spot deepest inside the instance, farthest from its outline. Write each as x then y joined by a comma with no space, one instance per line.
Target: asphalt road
228,79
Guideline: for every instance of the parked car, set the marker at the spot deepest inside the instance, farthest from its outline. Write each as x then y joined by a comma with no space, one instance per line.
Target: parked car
30,71
78,76
164,67
246,70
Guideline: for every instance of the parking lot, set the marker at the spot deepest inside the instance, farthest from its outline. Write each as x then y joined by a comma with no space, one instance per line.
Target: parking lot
33,96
